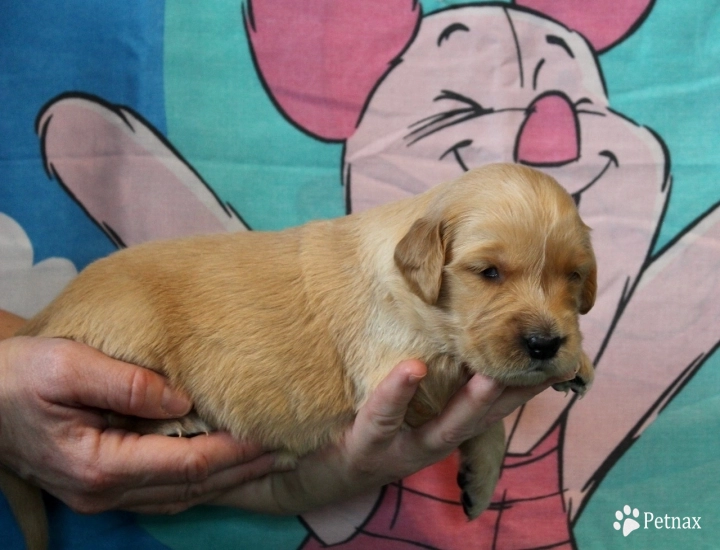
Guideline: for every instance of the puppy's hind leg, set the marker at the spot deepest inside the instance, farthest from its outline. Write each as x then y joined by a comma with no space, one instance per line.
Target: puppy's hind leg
480,463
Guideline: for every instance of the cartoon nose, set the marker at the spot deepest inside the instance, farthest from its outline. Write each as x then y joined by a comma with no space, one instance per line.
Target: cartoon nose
540,347
550,135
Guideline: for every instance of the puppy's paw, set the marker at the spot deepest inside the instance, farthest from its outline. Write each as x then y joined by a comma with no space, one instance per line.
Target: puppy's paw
576,385
583,378
185,426
476,492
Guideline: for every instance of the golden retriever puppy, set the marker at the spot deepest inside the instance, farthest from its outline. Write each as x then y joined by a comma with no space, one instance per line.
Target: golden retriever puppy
279,337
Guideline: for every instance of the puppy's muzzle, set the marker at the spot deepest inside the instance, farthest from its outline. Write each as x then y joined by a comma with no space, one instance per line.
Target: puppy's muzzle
544,348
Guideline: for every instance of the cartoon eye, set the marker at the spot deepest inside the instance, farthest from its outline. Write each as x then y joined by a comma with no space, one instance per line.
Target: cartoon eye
586,106
463,99
468,109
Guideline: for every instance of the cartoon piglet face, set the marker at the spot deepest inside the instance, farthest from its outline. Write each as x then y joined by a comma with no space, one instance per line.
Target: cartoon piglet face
484,84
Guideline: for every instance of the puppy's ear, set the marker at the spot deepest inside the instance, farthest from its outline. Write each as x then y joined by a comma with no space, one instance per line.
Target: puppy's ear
420,257
589,291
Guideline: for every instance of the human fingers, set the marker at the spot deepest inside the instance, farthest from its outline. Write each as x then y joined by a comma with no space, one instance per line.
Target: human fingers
177,497
365,456
462,418
511,399
157,459
125,461
78,375
473,409
380,418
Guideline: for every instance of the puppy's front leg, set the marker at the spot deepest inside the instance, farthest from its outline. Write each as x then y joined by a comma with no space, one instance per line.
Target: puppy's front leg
480,462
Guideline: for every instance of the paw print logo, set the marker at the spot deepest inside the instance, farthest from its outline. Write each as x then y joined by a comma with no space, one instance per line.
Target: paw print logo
629,524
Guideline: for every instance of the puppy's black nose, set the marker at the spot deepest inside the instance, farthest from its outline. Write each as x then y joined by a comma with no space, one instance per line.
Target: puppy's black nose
542,348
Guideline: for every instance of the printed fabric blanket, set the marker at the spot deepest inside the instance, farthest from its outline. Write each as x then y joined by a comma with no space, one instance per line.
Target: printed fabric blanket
122,122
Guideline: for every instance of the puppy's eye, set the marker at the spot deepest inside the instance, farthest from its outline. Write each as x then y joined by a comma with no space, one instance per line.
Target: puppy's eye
490,273
574,277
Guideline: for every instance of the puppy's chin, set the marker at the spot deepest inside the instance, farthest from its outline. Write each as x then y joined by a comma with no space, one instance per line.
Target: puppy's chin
528,373
531,377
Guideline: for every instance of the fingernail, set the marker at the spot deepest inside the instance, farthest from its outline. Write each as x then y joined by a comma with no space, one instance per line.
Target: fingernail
414,370
175,403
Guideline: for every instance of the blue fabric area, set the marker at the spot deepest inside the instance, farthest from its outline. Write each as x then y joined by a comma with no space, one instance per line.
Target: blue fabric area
10,536
50,48
112,50
109,531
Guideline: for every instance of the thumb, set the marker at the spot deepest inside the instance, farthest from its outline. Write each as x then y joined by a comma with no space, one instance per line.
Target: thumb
88,378
380,418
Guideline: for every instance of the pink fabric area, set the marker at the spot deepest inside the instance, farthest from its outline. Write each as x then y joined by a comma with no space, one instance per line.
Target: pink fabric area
424,510
602,22
550,133
321,59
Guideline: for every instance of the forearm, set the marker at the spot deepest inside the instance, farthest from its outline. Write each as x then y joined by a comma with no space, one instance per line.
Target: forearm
9,324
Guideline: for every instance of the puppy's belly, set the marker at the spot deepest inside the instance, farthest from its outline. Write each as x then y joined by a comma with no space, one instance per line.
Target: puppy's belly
286,392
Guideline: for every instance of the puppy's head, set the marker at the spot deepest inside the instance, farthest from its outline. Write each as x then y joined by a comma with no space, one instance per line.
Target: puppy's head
503,253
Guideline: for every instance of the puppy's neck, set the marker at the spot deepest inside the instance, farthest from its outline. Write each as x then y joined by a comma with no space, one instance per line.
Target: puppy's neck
396,323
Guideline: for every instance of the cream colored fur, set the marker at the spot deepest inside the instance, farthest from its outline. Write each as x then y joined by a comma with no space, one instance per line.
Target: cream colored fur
280,337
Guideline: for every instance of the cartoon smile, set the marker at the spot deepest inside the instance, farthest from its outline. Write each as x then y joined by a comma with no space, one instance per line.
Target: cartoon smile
548,137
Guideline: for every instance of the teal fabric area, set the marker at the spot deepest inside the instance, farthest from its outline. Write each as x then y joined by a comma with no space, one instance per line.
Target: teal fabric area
211,527
671,470
291,177
221,118
672,85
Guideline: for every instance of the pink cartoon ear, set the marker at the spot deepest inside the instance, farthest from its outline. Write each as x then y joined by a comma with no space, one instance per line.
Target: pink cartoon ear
321,59
603,22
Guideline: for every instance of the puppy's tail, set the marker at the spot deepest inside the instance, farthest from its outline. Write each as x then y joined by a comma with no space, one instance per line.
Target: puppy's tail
27,506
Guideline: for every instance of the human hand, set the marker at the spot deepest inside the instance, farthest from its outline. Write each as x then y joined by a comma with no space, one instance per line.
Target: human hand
53,433
377,449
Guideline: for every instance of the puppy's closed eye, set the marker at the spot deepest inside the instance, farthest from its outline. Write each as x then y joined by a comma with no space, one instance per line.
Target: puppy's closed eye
491,273
486,272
